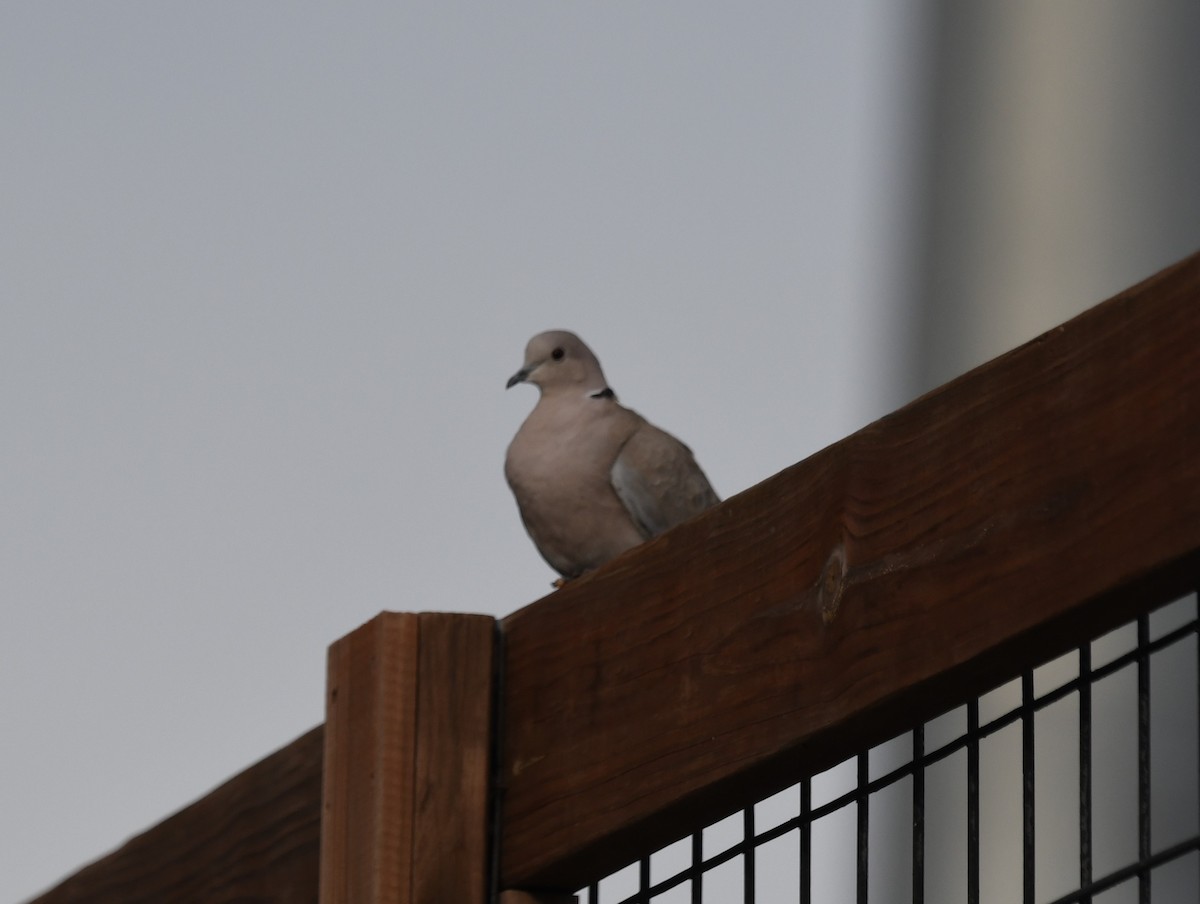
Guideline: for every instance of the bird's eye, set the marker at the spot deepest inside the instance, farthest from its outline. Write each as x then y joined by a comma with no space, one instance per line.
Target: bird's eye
557,354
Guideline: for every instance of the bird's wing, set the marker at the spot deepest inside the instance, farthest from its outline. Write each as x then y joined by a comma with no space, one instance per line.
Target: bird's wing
658,481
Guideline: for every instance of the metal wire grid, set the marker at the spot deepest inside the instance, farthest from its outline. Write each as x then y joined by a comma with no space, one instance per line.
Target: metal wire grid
700,879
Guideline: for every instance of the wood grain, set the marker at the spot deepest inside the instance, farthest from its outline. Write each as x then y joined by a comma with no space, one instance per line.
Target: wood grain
932,554
454,747
407,758
253,840
525,897
367,827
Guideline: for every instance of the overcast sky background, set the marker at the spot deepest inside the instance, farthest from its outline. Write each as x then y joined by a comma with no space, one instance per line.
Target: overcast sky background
265,270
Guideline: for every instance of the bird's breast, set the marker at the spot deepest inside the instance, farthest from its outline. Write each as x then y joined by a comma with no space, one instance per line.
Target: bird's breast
559,451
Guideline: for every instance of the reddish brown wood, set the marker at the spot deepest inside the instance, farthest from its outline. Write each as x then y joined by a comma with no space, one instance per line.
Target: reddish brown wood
891,575
253,839
370,763
526,897
407,748
454,747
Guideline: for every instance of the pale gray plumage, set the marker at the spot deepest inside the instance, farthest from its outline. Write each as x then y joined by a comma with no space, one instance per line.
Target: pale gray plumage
592,478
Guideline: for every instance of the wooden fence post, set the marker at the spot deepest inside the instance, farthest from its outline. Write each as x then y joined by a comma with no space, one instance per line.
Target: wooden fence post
408,739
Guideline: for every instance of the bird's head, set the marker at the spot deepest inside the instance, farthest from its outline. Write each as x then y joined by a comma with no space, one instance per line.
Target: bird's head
558,361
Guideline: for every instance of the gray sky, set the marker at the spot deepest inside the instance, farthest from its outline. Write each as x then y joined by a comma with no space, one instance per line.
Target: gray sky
266,268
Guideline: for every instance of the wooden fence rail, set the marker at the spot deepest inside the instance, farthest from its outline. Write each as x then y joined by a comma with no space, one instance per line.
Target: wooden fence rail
979,530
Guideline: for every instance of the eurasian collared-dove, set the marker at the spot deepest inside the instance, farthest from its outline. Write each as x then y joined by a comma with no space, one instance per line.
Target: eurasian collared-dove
593,478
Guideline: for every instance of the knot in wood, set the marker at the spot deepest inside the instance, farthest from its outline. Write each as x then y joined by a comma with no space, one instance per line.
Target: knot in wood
833,584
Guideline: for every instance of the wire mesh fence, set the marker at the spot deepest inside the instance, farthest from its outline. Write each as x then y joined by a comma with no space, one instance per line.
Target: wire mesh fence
1077,782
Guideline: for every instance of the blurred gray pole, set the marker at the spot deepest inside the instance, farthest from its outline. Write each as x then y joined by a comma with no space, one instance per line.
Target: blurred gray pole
1060,164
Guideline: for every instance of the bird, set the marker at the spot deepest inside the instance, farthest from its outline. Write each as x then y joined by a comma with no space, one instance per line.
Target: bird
591,477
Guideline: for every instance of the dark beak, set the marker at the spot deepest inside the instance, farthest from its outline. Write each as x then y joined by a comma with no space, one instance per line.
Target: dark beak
518,377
